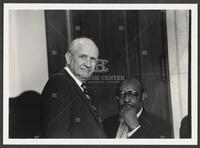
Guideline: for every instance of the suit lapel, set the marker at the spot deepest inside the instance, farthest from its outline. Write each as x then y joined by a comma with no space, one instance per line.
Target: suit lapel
80,92
143,119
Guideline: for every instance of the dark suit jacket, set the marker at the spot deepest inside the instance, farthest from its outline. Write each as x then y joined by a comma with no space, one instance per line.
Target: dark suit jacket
151,126
66,112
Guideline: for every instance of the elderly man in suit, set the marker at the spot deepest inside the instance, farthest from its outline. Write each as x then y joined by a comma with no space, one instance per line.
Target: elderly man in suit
134,121
68,111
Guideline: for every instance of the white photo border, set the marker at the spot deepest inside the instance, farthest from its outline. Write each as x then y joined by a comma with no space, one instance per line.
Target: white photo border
93,6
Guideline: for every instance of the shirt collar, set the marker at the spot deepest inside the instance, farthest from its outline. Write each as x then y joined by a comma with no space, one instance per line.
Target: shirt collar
139,113
73,76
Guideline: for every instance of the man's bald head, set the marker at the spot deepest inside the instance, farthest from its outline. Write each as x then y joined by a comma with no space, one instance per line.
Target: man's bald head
132,82
83,42
130,93
81,58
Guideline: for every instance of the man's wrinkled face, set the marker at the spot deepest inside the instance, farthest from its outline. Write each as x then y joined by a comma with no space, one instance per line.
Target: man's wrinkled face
130,95
82,61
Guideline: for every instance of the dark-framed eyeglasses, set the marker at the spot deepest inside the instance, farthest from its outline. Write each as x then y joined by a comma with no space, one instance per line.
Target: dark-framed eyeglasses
131,93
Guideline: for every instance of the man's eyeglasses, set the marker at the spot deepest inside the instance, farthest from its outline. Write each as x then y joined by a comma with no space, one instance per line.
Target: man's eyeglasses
130,93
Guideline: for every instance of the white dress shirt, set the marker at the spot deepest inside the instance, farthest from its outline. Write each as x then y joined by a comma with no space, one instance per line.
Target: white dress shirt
79,83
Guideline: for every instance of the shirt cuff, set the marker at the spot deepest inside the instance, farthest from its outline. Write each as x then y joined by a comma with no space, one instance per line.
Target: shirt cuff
133,131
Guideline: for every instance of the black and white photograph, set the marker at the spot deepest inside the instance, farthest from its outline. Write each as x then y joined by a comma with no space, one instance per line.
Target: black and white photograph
101,74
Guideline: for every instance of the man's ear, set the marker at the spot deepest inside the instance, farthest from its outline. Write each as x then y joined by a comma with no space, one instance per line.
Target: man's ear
68,58
144,95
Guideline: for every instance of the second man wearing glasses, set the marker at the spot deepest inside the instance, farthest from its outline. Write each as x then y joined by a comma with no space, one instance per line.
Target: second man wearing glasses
134,121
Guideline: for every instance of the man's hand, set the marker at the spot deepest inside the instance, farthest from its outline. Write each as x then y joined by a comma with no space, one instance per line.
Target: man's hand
129,116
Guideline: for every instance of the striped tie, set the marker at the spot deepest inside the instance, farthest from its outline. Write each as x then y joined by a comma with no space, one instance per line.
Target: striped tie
89,99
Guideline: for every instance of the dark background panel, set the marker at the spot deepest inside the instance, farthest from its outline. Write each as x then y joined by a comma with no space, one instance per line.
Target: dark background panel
82,26
131,42
152,53
57,41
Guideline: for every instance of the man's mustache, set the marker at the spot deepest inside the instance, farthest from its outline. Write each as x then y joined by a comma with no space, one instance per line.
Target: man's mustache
130,103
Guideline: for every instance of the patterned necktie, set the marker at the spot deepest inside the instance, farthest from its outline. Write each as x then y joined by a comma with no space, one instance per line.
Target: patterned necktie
89,99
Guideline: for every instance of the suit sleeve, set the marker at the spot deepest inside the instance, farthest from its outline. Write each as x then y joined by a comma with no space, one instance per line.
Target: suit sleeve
145,132
160,129
57,108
